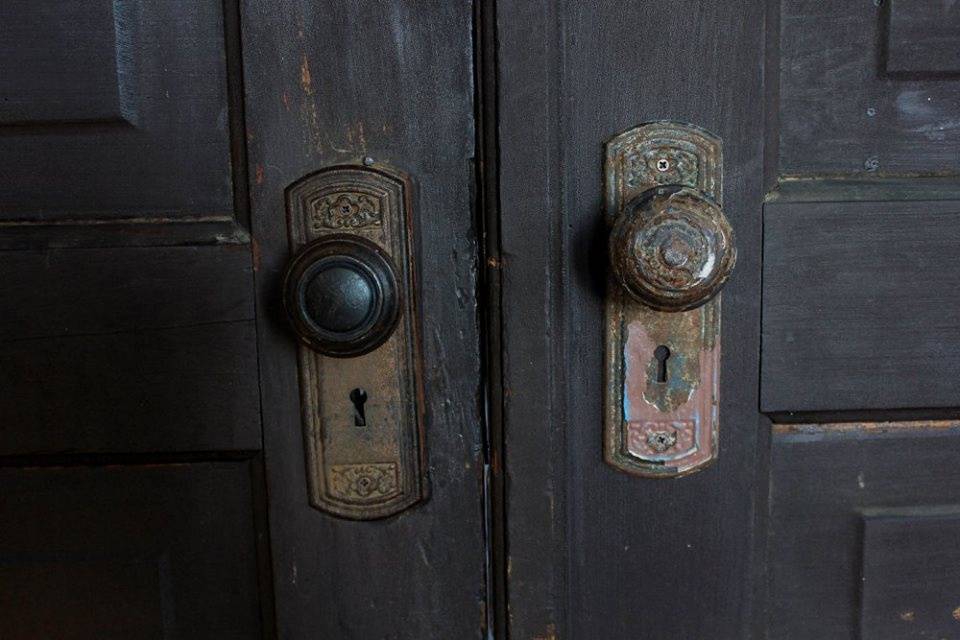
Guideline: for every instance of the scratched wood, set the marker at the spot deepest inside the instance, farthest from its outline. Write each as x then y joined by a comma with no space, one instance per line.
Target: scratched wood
594,553
336,82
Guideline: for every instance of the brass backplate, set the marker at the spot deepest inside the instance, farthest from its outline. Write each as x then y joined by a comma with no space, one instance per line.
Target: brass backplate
661,413
374,469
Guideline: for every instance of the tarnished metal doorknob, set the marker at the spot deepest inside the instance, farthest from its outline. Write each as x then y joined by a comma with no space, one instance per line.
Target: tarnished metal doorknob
342,295
672,248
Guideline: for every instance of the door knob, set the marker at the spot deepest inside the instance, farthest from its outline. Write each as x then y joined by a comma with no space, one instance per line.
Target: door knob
672,249
342,295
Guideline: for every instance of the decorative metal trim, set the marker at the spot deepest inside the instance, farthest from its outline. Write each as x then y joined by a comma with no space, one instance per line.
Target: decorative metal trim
375,469
652,427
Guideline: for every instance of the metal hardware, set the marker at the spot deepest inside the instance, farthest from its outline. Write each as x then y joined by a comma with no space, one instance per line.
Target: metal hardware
342,296
671,251
349,294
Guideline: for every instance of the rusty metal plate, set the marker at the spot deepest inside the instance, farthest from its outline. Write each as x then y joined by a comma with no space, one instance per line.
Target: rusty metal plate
662,367
362,416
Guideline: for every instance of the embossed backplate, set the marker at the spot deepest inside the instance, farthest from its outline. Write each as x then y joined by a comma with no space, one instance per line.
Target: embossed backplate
374,469
663,367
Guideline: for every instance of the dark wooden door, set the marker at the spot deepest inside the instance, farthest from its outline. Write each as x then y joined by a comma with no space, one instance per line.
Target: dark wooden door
153,464
832,508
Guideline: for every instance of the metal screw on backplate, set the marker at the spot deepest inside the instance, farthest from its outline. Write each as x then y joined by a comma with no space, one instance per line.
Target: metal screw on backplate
872,164
871,111
660,441
663,165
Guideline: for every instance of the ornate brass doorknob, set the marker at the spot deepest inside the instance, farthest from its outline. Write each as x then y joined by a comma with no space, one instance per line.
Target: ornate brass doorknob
342,295
672,248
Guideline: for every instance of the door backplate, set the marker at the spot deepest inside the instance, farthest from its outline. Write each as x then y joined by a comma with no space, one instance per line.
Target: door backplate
362,415
662,367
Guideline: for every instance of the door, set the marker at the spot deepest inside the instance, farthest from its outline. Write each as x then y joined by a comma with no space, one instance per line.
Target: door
174,462
830,506
378,320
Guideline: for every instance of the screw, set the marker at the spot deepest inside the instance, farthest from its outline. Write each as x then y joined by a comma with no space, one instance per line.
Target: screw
872,164
368,161
871,111
663,165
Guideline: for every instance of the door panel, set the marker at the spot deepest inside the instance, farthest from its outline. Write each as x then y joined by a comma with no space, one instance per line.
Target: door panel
130,406
892,119
123,551
128,349
114,110
336,83
857,310
859,320
863,531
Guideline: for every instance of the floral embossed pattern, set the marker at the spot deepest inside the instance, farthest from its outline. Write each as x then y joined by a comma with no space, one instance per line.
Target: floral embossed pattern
661,165
364,482
345,211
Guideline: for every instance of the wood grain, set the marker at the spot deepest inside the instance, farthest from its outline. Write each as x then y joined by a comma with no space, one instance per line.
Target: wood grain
822,485
156,551
158,146
594,553
858,311
334,83
128,350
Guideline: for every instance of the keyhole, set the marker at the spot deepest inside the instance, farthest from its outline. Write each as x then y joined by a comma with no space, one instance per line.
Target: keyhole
359,397
661,353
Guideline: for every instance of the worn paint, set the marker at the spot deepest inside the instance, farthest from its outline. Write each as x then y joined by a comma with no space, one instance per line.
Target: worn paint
653,427
669,425
306,83
828,428
308,108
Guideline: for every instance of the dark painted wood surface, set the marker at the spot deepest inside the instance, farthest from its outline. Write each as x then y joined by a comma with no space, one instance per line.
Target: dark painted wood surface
911,574
842,112
859,306
128,350
126,363
822,568
113,110
157,551
923,38
594,553
332,83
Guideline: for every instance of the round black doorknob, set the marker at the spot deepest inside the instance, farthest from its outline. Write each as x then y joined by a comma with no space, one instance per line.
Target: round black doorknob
672,248
342,295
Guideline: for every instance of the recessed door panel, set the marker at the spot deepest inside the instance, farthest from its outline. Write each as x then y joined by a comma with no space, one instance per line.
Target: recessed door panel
114,111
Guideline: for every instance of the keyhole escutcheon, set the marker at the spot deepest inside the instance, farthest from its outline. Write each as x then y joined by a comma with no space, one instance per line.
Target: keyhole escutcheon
359,397
661,354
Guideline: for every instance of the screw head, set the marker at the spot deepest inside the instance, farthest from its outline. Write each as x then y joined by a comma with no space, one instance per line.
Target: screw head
663,165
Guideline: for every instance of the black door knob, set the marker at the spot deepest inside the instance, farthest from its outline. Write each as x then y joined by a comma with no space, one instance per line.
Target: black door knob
342,295
672,248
